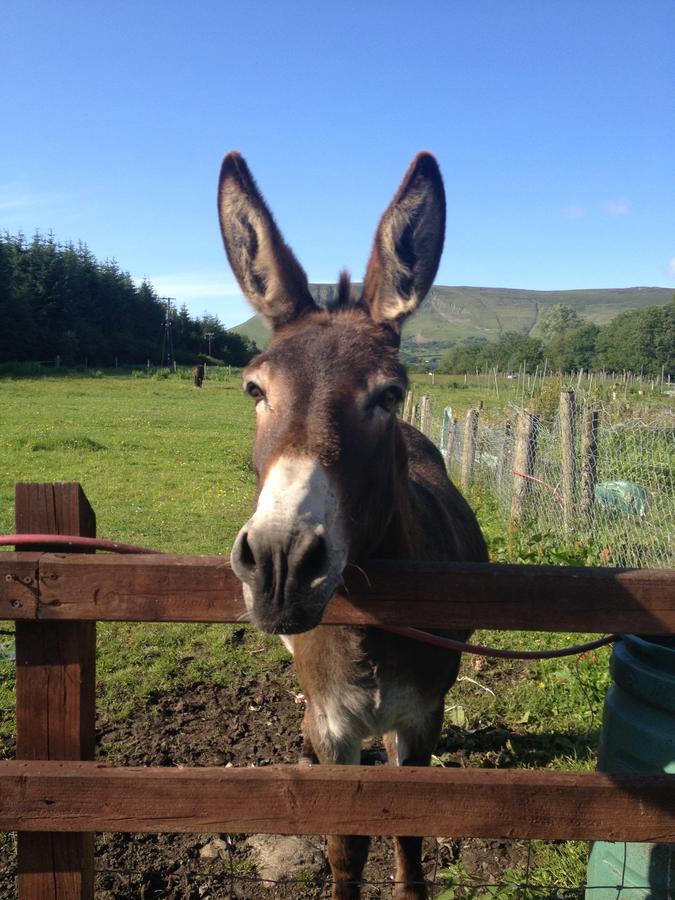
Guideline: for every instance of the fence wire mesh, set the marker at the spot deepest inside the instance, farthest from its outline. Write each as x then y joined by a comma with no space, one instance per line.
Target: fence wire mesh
590,474
231,876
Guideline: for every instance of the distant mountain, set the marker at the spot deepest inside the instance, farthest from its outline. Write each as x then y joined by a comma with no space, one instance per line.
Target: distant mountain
450,315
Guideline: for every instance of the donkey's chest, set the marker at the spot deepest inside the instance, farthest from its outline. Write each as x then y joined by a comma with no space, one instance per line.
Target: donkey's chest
371,709
363,694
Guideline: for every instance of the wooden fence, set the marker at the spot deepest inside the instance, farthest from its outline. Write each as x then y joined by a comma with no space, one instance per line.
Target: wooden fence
56,796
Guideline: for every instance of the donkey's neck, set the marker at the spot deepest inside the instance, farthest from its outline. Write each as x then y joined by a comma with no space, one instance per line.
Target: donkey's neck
396,535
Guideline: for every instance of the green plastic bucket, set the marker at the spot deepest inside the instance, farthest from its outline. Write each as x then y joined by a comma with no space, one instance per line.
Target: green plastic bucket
638,735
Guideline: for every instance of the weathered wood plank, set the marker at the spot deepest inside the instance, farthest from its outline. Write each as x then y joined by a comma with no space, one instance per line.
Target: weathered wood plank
59,507
339,799
18,585
140,588
55,700
426,594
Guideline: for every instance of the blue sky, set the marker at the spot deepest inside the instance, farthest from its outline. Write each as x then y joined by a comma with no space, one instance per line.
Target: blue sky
554,124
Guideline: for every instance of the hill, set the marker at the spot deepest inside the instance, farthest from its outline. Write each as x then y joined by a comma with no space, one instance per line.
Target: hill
450,315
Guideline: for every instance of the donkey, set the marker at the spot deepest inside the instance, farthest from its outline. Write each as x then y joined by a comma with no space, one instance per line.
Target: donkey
198,374
341,479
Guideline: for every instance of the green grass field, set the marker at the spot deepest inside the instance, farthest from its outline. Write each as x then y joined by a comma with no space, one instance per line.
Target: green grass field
167,466
164,465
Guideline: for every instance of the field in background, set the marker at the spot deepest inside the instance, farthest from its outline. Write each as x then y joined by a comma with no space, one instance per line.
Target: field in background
167,466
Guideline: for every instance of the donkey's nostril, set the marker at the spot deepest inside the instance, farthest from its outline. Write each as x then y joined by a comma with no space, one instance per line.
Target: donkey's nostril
246,557
310,557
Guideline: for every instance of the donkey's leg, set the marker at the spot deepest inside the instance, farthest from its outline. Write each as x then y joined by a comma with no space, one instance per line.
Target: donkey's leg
412,747
347,854
308,756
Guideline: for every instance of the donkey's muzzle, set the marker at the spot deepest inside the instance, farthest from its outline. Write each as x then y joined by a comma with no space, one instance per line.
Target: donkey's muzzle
288,578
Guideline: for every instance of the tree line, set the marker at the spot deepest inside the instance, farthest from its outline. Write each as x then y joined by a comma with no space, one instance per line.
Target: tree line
641,341
58,301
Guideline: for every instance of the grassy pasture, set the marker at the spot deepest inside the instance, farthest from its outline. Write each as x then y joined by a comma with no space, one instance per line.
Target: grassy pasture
619,403
167,466
164,465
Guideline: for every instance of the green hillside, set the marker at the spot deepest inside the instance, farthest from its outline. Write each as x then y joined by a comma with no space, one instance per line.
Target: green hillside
453,314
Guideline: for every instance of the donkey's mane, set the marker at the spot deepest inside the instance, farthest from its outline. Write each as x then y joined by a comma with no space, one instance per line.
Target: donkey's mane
344,291
345,295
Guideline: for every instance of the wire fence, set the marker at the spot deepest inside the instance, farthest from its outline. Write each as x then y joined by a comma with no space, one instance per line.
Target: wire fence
585,474
230,877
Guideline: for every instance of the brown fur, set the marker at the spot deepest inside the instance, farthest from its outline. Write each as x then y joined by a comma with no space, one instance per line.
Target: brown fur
198,374
329,379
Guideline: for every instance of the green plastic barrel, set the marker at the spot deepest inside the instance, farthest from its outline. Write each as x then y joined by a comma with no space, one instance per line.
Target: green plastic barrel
638,735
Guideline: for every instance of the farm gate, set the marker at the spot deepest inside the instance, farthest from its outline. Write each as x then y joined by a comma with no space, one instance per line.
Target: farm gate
56,796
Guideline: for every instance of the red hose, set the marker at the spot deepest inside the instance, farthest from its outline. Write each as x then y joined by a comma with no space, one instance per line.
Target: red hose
72,540
449,644
556,493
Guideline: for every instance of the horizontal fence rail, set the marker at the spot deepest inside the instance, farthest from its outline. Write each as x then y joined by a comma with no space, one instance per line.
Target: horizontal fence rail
165,588
488,803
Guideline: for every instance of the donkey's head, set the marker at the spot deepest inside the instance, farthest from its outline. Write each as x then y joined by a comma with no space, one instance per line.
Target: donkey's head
328,449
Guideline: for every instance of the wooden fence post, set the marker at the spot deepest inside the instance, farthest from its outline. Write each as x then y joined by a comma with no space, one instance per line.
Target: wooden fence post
425,414
504,464
589,461
450,449
469,448
408,407
445,429
55,700
523,462
568,447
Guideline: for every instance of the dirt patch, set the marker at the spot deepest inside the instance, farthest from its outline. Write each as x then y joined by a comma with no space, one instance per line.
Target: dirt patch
251,721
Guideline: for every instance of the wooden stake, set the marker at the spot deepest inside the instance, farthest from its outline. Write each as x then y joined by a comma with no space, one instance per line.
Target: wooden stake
452,438
425,414
523,462
445,430
408,407
589,462
504,464
55,700
469,449
567,440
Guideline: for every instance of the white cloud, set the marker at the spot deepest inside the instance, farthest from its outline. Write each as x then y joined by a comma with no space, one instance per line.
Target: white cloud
15,200
12,204
618,207
574,211
203,291
23,208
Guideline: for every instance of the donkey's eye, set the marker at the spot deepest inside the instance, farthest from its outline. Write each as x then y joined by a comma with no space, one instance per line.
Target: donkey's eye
389,399
255,391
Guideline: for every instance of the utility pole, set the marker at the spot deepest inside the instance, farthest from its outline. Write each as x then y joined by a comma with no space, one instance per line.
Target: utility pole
167,343
209,335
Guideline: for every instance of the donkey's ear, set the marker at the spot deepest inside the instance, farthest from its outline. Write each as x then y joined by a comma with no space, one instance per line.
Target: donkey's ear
265,267
408,245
